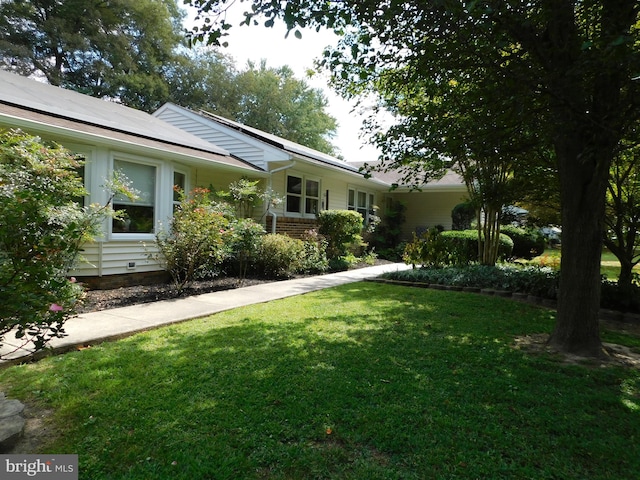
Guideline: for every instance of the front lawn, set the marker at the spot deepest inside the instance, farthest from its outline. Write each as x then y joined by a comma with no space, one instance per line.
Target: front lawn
363,381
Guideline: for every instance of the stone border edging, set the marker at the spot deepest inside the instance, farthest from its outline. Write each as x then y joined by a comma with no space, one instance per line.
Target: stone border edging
604,314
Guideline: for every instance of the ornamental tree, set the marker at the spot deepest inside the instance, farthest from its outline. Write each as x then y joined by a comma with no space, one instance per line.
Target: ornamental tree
42,229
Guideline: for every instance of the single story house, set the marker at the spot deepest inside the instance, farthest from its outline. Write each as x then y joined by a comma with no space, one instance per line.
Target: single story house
313,180
177,146
309,180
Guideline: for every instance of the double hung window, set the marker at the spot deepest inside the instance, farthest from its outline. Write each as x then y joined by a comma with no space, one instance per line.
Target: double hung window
361,201
303,195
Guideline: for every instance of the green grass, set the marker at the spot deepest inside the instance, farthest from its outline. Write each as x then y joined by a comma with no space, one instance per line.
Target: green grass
363,381
610,266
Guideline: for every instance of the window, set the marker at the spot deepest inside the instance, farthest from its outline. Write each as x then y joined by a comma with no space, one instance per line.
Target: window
179,185
362,202
302,193
312,197
138,215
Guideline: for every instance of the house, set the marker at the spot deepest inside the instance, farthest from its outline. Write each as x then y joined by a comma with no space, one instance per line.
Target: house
428,206
177,146
309,180
312,181
153,154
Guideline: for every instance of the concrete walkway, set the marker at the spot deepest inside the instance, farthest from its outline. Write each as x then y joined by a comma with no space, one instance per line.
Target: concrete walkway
96,327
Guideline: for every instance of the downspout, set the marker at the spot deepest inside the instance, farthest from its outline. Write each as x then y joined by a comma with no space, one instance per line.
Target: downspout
274,217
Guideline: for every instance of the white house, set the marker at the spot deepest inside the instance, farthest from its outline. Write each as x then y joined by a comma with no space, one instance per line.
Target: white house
177,146
309,180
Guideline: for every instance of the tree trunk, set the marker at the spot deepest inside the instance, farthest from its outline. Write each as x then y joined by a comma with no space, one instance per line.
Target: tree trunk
577,327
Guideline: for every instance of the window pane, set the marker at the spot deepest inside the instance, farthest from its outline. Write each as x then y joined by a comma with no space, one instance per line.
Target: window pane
311,206
137,215
142,178
135,219
352,198
293,204
313,188
362,200
294,185
179,180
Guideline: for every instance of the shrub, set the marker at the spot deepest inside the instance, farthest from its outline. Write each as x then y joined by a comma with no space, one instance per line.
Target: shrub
279,256
314,259
533,280
462,216
526,243
342,230
41,235
386,233
245,237
427,250
198,240
462,246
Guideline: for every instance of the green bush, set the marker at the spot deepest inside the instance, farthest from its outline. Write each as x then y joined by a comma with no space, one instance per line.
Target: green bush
198,241
314,259
533,280
427,250
42,230
279,256
462,216
462,246
342,229
245,237
526,243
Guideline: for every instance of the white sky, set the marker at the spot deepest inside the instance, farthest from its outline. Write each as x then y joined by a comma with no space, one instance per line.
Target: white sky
254,43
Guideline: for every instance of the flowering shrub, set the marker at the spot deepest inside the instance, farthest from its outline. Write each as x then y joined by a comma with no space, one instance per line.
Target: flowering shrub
314,259
198,241
42,230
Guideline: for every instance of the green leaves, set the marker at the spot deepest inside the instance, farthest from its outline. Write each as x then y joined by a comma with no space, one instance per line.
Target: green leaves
42,230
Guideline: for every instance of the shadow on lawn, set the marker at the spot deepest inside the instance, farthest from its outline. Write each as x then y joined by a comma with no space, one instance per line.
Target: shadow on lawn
416,384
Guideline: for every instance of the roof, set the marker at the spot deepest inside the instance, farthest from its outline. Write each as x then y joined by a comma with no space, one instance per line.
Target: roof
293,148
31,101
449,181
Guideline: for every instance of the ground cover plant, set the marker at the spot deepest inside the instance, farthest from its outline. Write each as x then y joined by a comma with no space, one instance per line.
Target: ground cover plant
363,381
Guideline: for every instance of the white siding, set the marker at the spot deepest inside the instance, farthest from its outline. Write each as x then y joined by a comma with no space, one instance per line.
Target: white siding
238,147
427,209
111,258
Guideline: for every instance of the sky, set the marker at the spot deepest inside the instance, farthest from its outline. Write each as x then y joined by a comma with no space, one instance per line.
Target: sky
254,43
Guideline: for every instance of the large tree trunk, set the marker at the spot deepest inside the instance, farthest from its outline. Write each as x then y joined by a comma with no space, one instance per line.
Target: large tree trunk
583,200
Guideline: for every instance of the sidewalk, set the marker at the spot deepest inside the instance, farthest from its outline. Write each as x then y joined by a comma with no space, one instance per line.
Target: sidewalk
104,325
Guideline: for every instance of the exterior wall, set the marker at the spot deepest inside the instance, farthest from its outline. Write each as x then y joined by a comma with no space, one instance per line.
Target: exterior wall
293,227
427,209
117,257
198,127
336,183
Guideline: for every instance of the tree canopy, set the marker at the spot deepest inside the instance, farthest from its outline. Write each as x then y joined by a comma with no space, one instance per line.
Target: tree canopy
134,52
115,49
570,66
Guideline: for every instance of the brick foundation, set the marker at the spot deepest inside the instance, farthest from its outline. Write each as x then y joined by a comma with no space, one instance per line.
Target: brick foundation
294,227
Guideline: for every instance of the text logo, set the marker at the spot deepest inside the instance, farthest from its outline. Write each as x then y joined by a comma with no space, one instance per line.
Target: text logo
49,467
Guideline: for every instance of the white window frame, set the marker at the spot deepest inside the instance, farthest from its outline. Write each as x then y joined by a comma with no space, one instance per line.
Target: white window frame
158,196
181,171
354,204
303,195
